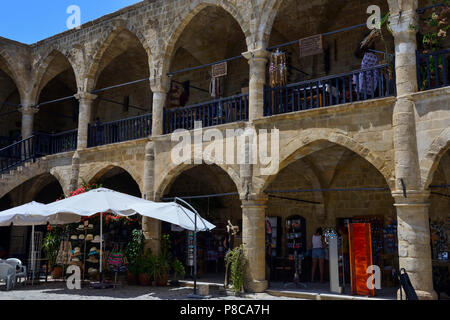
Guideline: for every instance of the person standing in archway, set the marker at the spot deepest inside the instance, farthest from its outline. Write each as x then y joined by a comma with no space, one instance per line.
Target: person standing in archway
318,253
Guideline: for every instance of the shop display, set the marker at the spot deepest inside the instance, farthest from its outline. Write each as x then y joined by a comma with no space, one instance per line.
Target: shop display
278,69
360,248
273,236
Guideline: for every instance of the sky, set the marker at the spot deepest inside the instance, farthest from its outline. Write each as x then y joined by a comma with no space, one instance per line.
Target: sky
29,21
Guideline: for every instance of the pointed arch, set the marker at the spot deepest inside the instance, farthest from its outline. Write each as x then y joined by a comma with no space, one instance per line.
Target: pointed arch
97,62
183,20
430,163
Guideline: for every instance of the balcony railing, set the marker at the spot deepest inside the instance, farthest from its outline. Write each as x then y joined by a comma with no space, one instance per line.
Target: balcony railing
220,111
432,69
120,130
17,153
47,144
359,85
6,141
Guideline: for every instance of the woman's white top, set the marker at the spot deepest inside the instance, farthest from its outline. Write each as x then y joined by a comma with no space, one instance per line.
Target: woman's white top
316,242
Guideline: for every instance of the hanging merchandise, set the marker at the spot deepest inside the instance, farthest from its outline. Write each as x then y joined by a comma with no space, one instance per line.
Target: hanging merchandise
214,88
278,69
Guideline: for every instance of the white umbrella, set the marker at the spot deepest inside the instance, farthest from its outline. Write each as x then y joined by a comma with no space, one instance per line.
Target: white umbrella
173,213
33,214
105,200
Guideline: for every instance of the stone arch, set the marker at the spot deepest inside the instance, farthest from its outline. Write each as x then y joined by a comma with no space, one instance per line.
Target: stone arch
35,170
174,171
39,82
11,70
97,171
433,156
311,140
183,20
101,46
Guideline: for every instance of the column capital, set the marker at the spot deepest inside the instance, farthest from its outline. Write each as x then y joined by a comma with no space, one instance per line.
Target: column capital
254,201
404,22
159,84
257,54
413,198
86,96
28,110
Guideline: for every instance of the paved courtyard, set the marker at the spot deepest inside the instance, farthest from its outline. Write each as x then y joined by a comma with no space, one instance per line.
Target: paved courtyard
59,291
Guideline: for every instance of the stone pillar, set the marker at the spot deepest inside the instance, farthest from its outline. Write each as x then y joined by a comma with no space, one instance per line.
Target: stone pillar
257,60
159,88
75,173
412,210
86,99
150,227
414,247
253,238
28,113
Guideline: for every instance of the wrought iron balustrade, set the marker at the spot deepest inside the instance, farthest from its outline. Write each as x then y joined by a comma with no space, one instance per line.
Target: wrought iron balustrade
17,154
433,69
211,113
120,130
359,85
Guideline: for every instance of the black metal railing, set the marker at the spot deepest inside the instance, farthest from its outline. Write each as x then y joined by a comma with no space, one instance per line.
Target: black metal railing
47,144
17,154
359,85
6,141
211,113
433,69
120,130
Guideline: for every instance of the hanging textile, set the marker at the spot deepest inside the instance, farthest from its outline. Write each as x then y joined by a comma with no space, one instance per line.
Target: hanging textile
214,88
64,254
278,69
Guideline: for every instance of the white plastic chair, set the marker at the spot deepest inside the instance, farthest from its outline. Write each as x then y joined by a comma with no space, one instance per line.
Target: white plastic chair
8,274
21,270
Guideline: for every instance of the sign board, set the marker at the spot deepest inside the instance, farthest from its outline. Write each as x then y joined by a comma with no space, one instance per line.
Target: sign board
219,70
311,46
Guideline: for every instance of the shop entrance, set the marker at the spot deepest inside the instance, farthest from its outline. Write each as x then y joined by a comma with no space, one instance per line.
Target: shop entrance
328,189
203,187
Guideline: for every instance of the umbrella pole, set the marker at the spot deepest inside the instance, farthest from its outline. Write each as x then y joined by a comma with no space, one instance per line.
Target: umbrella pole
32,254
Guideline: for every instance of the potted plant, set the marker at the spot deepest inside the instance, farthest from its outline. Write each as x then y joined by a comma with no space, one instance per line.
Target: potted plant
145,269
236,261
178,271
51,246
162,270
133,251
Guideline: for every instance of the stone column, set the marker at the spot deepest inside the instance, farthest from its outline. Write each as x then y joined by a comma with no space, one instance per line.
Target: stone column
414,247
253,238
159,88
412,210
28,113
257,60
150,227
75,173
86,99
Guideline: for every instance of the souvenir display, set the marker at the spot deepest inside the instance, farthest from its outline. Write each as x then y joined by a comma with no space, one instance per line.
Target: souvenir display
278,69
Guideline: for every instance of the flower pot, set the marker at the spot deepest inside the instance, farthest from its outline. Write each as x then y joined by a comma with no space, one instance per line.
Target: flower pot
144,279
162,280
57,272
131,278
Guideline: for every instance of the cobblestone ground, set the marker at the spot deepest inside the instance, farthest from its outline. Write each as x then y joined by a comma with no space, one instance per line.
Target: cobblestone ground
59,291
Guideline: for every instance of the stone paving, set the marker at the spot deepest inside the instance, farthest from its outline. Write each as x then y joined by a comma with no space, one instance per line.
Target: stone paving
59,291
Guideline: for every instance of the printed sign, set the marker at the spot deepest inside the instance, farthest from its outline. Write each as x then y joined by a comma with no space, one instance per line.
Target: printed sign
219,70
311,46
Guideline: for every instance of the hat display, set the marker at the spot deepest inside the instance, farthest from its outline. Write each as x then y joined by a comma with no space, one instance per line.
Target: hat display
80,227
90,226
93,251
75,259
74,237
81,237
92,259
96,239
92,271
89,237
76,251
